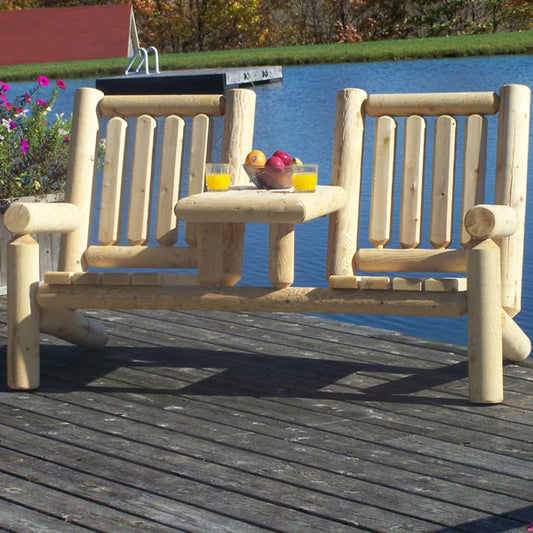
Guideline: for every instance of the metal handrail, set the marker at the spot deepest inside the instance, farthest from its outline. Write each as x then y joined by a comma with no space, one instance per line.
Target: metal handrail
143,54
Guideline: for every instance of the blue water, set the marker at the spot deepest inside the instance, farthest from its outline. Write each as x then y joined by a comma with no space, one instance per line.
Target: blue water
297,116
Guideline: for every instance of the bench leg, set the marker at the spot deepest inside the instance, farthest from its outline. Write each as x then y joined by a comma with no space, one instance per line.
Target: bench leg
485,358
22,313
72,326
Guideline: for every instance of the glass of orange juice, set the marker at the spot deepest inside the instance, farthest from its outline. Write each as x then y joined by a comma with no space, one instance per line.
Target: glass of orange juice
304,177
217,176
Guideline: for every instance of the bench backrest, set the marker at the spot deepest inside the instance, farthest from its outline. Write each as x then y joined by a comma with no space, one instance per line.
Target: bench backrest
131,198
397,182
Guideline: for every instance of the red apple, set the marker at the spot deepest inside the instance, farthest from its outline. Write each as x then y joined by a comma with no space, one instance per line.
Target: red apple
285,157
274,161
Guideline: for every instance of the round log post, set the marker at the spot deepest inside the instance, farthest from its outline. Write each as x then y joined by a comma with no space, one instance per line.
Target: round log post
22,313
236,144
346,172
484,329
81,171
511,186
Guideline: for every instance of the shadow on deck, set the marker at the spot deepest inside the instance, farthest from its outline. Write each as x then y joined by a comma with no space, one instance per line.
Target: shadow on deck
247,374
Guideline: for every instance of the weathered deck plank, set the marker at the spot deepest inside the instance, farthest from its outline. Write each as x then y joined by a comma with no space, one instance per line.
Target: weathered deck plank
250,422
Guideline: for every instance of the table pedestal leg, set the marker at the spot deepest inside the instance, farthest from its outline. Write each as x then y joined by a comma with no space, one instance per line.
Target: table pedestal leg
210,253
281,255
233,252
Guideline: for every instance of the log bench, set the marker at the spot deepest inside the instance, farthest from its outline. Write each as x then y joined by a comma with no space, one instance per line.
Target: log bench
422,274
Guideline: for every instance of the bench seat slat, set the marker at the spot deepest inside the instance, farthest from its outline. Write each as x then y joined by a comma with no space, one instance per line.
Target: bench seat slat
386,283
120,278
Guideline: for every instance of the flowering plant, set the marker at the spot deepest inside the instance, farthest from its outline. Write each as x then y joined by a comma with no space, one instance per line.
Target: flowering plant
33,148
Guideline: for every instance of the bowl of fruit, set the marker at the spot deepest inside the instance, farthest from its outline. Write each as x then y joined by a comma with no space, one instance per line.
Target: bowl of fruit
272,173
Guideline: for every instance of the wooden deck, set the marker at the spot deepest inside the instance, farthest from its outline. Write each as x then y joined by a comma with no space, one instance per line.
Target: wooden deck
211,422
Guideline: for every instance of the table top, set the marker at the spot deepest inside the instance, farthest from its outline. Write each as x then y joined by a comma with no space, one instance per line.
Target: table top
249,204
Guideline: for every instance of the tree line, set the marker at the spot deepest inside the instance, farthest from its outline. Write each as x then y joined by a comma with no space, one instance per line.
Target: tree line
201,25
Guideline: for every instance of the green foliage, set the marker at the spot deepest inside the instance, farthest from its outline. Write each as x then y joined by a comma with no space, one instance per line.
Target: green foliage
33,146
465,17
175,26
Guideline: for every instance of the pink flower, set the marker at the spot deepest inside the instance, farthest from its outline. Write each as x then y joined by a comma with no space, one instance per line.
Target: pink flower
12,125
7,105
41,102
27,98
530,527
43,80
24,146
4,87
66,139
60,84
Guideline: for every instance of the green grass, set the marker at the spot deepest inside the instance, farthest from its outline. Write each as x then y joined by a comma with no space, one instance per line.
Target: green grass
436,47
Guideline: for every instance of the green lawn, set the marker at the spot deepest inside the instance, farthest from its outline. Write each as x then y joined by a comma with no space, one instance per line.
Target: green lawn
457,46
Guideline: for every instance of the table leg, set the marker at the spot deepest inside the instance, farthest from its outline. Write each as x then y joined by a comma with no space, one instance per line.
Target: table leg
233,252
281,255
210,253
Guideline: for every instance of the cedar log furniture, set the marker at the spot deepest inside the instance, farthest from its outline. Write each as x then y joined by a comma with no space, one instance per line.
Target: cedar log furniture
487,264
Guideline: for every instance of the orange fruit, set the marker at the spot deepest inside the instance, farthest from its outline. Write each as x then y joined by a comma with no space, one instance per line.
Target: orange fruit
256,158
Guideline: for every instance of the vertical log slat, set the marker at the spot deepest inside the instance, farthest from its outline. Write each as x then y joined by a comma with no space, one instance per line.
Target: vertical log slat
141,180
200,152
412,181
166,230
440,229
474,166
112,180
382,181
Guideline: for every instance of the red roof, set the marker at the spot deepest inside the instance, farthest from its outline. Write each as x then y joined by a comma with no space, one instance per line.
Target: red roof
65,34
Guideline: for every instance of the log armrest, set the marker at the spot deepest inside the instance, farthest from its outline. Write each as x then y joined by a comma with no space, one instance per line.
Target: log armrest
24,218
491,221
